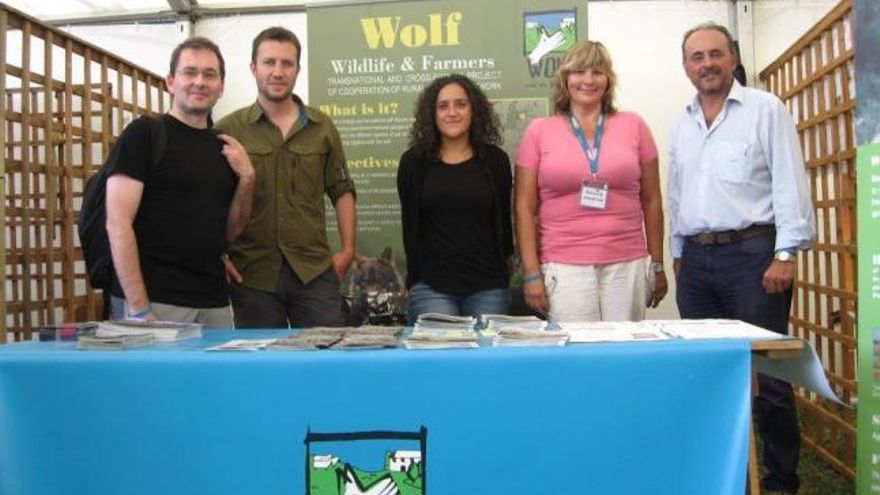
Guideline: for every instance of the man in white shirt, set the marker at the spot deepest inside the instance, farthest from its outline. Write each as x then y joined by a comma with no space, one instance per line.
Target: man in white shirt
740,211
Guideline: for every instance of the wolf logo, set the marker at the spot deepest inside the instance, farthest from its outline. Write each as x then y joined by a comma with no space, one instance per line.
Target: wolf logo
333,472
548,32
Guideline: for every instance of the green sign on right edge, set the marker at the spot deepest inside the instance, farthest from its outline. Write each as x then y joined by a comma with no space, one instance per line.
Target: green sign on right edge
867,70
868,436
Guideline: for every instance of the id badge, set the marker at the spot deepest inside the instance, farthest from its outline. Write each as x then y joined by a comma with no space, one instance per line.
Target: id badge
594,194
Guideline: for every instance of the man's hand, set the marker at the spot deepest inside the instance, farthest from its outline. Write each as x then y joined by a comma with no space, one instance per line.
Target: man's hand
232,272
676,267
238,159
143,314
341,261
535,295
147,317
779,276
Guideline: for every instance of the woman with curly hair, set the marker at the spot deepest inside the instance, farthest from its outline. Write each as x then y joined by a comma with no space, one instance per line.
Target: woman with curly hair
455,186
590,173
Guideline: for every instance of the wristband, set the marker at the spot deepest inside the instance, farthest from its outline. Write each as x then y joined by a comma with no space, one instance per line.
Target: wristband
532,278
140,314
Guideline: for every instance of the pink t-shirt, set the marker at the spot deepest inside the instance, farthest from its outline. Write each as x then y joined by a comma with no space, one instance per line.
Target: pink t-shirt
570,233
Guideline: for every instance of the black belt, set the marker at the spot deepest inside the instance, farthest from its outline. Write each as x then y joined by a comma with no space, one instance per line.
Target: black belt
731,236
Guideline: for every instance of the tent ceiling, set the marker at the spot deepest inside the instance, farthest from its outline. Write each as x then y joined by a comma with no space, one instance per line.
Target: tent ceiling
60,12
97,9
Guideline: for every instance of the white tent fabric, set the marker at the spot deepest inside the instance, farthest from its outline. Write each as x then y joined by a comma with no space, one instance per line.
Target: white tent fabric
96,9
87,8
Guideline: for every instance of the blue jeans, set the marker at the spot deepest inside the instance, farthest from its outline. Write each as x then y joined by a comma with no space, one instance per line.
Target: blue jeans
424,299
726,281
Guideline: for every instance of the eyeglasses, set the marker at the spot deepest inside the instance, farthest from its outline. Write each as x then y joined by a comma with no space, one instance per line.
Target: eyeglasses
192,74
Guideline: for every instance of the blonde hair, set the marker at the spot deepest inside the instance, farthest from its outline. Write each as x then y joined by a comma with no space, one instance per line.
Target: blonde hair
584,55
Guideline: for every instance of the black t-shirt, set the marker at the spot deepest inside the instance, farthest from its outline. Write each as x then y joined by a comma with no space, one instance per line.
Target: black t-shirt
180,226
457,213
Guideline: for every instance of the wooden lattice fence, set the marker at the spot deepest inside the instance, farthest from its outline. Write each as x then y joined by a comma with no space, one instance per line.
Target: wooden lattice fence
815,78
62,102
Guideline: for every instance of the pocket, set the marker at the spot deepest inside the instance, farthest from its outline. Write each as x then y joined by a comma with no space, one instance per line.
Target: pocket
650,282
732,163
308,170
549,270
758,246
260,157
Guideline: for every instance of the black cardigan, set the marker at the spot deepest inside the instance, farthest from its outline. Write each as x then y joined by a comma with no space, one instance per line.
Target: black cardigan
410,180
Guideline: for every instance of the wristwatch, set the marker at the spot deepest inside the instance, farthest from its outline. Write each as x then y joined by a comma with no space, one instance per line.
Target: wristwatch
784,256
657,266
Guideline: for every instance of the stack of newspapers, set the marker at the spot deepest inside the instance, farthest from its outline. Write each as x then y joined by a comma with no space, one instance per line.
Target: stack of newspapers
92,342
369,337
492,323
439,331
522,331
363,337
528,337
162,331
309,339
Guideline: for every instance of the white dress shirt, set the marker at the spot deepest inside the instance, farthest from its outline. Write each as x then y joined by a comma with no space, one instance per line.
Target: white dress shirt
746,169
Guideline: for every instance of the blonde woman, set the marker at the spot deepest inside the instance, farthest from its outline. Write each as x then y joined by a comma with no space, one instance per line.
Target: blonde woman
590,174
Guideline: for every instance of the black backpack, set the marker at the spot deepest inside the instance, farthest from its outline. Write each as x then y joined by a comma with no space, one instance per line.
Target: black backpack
92,221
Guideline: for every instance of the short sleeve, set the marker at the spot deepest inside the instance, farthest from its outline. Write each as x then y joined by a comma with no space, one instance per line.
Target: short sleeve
131,155
528,153
647,145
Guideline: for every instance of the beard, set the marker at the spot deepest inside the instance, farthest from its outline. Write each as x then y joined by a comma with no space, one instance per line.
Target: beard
720,83
267,92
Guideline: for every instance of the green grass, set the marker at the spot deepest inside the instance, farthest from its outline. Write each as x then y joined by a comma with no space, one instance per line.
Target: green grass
323,481
819,478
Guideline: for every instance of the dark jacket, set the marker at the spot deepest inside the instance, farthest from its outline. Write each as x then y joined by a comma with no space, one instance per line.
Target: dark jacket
410,180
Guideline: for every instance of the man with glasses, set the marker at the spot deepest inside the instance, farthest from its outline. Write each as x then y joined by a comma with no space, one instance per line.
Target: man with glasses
177,193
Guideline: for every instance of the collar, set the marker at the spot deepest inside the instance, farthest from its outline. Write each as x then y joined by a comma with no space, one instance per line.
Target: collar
256,112
736,93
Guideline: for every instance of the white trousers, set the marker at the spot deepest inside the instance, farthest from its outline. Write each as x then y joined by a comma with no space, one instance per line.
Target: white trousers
614,292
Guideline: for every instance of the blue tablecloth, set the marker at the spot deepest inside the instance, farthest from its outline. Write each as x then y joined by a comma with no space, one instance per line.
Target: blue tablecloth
646,418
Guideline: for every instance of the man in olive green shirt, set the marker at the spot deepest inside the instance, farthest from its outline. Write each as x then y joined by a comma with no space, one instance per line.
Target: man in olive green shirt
283,271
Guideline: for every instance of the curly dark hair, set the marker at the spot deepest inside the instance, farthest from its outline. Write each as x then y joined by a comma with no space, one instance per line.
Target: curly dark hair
485,125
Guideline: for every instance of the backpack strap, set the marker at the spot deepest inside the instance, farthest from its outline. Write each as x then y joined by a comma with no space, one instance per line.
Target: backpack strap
158,139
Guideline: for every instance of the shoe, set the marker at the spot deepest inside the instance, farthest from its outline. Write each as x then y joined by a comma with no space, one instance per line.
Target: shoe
778,492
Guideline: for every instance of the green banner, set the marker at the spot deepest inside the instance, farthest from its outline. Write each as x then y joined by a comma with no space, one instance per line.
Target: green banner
868,439
867,18
368,63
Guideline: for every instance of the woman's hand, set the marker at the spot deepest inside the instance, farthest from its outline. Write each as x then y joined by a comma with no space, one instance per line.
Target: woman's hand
536,296
661,287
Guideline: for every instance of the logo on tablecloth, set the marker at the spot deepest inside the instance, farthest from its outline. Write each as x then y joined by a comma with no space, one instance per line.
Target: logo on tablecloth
366,462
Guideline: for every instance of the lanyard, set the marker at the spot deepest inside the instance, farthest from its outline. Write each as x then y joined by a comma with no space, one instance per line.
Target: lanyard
592,151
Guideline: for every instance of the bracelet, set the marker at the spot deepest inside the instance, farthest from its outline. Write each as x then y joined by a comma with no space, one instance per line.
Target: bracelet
141,313
532,278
